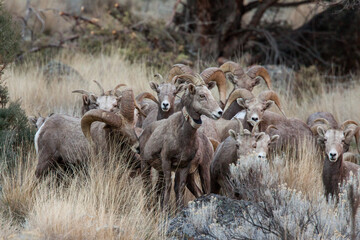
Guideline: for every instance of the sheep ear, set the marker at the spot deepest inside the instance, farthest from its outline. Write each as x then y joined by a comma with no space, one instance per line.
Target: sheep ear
232,134
86,99
192,88
274,138
321,131
179,88
241,102
247,132
154,86
258,136
211,85
32,120
268,104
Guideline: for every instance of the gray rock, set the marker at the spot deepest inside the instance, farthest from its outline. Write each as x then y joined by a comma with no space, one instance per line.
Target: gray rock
57,71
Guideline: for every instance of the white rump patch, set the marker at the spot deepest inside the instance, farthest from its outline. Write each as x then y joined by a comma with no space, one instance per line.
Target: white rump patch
36,139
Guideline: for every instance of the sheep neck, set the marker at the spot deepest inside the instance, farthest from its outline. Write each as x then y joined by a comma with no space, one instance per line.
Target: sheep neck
164,115
189,119
332,175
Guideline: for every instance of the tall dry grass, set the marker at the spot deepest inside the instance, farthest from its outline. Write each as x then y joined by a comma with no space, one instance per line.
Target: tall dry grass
102,202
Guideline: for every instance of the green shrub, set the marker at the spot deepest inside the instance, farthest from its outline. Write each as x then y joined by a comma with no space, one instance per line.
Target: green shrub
9,37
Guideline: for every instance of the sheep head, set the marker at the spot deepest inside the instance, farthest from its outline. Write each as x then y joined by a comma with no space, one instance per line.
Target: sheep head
345,126
335,141
121,120
106,100
263,141
253,142
255,106
198,99
247,80
166,93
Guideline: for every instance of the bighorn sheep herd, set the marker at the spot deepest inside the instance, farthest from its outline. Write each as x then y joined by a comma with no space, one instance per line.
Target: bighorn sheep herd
185,130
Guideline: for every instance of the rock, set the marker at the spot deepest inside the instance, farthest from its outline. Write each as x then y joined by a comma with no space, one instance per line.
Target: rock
57,71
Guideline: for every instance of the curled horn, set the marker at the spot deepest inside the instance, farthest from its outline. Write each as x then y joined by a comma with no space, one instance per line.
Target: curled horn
217,75
115,90
267,131
147,95
346,123
82,92
179,69
238,93
320,120
101,88
100,115
256,71
232,67
271,95
197,80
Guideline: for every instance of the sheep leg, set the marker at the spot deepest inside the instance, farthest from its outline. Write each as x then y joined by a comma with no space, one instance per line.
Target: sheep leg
215,187
204,172
179,187
146,176
159,187
192,186
166,167
45,162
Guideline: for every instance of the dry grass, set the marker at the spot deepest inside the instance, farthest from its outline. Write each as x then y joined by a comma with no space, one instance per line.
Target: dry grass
102,202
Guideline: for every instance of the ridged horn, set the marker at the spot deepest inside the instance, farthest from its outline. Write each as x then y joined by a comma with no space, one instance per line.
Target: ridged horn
217,75
197,80
267,131
101,88
323,121
238,93
82,92
115,91
256,71
147,95
179,69
232,67
99,115
127,104
348,122
271,95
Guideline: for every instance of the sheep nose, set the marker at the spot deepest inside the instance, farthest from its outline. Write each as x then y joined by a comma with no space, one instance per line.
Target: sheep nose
165,104
220,112
333,155
255,119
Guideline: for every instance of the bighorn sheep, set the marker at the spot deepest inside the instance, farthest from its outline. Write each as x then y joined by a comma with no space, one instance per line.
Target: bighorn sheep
62,139
335,169
290,130
240,80
173,144
237,144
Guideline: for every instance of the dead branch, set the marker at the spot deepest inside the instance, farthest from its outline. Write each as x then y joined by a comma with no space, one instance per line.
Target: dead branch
92,21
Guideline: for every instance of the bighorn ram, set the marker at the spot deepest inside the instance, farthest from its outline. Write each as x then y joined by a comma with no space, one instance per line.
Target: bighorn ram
335,169
240,80
237,144
61,139
290,130
174,144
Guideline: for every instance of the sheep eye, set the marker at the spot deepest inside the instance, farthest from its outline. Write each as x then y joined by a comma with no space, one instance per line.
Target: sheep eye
254,145
202,96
